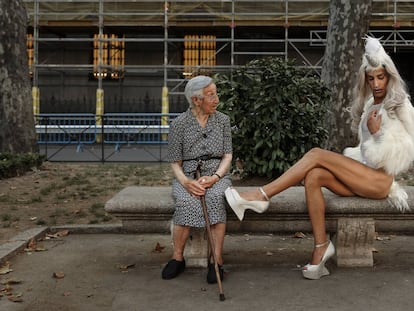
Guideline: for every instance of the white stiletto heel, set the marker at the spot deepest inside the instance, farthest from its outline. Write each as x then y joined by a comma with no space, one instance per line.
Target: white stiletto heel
239,205
315,272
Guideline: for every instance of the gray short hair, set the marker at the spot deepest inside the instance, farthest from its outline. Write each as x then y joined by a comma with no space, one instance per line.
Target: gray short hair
194,86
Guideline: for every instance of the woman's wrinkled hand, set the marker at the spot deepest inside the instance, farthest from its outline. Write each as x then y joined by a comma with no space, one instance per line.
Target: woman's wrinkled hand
195,187
207,181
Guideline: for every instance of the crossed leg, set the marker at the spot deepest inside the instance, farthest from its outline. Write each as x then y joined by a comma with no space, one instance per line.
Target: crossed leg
322,168
315,202
350,177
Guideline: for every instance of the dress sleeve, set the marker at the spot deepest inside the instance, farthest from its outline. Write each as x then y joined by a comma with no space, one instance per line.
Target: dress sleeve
175,142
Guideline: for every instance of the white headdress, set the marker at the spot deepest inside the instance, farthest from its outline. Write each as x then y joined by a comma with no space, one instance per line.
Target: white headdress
375,55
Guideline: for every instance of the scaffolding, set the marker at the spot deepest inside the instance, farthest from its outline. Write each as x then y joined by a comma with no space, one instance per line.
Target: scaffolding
51,22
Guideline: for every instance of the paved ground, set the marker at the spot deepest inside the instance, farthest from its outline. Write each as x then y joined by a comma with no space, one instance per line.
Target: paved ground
122,272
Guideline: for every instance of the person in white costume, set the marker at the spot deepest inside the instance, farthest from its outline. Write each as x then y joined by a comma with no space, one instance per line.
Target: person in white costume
383,117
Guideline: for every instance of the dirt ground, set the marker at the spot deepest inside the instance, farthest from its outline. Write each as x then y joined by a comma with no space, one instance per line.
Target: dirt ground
75,193
69,193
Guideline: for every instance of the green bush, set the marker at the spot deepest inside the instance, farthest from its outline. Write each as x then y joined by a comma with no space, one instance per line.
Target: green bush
17,164
277,113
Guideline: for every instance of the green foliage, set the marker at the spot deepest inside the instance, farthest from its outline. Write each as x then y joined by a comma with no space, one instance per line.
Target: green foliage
16,164
277,112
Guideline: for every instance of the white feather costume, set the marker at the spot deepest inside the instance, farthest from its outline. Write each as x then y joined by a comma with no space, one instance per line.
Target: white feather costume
393,148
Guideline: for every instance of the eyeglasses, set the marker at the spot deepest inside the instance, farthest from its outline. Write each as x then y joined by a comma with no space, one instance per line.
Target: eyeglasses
211,97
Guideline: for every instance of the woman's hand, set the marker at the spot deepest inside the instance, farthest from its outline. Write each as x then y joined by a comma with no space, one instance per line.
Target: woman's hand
374,122
208,181
194,187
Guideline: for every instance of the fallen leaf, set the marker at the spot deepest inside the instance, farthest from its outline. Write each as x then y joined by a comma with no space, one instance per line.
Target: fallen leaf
33,247
7,289
300,235
10,282
31,244
269,253
58,234
5,268
62,233
16,298
383,238
126,266
58,275
33,218
158,248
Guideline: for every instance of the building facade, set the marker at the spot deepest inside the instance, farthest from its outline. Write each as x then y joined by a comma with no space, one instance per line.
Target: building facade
135,56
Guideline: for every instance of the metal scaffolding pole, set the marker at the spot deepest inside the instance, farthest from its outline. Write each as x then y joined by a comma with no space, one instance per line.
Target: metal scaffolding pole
159,13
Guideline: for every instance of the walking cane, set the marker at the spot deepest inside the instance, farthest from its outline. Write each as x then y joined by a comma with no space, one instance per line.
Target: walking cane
210,236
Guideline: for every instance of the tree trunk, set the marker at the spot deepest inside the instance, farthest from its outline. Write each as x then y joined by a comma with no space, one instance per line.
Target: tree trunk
17,130
348,24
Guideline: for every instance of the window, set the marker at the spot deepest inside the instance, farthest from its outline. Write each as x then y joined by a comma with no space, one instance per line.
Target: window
113,57
199,54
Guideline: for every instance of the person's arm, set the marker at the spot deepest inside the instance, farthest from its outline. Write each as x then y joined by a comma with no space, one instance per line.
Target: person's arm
224,166
225,162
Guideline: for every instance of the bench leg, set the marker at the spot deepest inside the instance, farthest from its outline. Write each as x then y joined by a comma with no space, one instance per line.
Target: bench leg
354,242
196,249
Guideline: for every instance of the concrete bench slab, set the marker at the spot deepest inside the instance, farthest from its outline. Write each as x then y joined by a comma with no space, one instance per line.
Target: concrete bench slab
352,221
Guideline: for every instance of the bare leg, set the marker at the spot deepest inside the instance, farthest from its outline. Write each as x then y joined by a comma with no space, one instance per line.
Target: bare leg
314,181
218,231
180,236
358,178
321,168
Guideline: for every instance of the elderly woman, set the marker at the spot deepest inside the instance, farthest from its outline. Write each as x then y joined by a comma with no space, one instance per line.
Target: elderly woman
384,118
199,134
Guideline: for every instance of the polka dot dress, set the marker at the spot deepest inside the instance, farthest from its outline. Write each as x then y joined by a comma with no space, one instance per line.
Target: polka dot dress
187,142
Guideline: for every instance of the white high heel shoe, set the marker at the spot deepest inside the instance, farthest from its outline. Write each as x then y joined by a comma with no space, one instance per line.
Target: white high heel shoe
315,272
239,205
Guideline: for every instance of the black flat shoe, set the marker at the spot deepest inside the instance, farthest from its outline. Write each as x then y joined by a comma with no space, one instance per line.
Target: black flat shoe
172,269
211,274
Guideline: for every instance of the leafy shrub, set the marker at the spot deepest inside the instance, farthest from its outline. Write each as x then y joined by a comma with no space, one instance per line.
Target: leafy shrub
17,164
277,112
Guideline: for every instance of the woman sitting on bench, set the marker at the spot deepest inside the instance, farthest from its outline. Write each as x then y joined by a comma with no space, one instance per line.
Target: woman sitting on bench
383,116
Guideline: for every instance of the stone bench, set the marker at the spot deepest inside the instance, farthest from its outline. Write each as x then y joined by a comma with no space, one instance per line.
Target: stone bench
351,221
